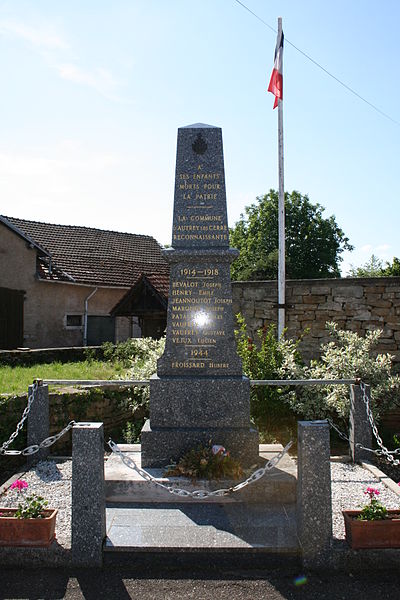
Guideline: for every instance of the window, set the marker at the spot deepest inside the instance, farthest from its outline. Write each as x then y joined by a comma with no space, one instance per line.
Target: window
73,320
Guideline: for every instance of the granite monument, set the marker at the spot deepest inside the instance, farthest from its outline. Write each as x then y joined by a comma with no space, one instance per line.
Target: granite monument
199,393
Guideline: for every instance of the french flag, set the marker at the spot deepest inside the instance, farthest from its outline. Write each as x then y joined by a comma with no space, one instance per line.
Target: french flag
276,81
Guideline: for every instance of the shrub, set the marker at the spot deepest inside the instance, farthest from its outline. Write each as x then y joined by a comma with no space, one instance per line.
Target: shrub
347,356
267,358
139,355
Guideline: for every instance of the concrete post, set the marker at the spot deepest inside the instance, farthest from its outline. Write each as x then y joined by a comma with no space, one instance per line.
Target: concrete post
314,502
38,427
360,431
88,497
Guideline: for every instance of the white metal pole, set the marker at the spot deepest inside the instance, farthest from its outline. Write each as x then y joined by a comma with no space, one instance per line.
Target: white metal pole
281,215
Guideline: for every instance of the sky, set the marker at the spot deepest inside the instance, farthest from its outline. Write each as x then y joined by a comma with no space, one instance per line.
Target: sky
93,93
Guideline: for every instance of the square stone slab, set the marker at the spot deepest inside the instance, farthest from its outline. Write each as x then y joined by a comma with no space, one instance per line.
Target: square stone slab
148,527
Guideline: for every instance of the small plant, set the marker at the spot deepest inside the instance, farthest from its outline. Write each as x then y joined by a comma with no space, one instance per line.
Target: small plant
32,506
206,462
375,510
131,432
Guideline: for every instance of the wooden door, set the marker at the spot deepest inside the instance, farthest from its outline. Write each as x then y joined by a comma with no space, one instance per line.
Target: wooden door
11,319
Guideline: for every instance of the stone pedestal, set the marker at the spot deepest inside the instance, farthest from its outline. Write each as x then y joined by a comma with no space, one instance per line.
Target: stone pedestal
314,502
360,431
163,445
88,522
199,394
38,424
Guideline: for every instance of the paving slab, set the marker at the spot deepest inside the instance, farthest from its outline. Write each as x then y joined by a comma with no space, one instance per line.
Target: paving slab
190,527
123,484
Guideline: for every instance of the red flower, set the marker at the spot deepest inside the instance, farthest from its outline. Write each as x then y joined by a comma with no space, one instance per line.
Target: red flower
20,484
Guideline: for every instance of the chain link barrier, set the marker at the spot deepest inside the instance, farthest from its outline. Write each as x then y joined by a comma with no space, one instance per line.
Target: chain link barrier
200,494
388,454
346,439
46,443
31,398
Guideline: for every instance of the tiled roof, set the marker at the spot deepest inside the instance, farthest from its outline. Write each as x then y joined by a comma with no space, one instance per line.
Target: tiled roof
93,256
160,282
157,282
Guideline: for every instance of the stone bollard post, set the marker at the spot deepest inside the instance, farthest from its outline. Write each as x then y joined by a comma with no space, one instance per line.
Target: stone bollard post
88,496
314,502
360,431
38,427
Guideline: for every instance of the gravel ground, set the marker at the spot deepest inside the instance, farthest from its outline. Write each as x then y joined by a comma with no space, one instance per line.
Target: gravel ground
52,480
348,486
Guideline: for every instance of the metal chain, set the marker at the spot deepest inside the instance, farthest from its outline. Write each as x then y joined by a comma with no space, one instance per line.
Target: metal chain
46,443
200,494
388,454
384,451
31,398
346,439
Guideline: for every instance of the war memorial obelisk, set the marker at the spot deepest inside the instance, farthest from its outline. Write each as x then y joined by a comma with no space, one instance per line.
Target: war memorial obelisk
199,393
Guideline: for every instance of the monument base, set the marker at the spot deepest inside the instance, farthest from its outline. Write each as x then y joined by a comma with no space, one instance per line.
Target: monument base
200,402
163,445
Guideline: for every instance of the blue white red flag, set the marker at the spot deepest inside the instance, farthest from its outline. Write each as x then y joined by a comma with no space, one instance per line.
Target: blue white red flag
276,82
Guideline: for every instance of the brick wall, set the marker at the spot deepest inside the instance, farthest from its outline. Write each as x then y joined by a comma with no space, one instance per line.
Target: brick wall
354,304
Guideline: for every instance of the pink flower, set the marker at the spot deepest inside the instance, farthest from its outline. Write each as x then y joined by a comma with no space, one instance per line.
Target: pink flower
20,484
372,492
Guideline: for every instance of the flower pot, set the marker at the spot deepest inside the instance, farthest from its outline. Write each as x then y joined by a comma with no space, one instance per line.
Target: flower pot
384,533
27,532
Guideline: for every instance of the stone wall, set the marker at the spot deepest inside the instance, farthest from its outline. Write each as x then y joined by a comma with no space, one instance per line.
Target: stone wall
49,355
113,406
354,304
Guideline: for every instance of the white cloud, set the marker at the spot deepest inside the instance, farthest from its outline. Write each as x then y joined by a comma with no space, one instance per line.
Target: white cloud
100,79
69,156
367,249
383,248
41,37
54,49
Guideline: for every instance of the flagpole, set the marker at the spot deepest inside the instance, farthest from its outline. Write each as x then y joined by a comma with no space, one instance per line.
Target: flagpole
281,215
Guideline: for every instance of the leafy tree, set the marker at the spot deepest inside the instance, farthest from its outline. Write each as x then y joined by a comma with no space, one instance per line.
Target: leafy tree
313,243
392,270
374,268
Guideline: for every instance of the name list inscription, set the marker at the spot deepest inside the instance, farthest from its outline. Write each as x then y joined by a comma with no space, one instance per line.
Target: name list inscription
198,306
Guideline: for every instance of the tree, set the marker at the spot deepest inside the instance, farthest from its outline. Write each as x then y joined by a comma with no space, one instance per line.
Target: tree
313,243
392,270
374,268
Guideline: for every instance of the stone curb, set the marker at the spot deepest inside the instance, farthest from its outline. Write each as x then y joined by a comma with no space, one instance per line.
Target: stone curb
382,477
4,487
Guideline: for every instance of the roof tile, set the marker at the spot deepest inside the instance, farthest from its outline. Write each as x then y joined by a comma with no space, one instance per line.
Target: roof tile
95,256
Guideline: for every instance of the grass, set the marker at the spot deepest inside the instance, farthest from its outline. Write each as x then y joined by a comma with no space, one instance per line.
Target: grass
15,380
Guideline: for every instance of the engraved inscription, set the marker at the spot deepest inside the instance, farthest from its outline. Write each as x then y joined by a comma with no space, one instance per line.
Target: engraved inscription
197,305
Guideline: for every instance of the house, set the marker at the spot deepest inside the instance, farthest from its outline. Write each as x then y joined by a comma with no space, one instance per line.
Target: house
65,285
